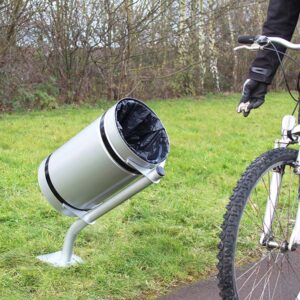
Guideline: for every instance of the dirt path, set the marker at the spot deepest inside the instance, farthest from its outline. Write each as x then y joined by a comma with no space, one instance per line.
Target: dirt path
203,290
275,277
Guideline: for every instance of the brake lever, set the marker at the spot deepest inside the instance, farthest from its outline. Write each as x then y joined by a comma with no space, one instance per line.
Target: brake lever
253,47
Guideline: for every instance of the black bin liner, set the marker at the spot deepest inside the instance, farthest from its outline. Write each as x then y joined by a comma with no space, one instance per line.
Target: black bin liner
142,130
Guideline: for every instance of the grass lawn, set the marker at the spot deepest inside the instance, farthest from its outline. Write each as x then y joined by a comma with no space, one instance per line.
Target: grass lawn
166,235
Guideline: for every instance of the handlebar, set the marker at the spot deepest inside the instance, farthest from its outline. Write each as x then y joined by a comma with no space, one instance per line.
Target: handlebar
284,43
262,40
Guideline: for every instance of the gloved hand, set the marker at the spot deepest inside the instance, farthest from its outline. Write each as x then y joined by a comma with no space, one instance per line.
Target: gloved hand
253,96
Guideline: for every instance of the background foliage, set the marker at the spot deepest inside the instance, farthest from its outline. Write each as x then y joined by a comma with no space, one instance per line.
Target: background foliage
74,51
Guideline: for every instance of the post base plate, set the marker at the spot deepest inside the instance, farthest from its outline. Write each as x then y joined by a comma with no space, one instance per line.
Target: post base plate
55,259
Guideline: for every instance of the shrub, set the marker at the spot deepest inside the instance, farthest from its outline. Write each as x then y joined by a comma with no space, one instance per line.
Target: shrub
39,96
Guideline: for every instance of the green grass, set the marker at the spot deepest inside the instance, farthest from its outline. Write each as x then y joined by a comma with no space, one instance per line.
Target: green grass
165,235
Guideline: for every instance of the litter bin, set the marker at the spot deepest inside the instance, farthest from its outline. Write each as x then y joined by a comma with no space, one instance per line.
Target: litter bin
104,158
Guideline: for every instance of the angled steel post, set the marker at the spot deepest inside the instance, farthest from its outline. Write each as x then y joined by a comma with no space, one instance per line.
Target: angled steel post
66,257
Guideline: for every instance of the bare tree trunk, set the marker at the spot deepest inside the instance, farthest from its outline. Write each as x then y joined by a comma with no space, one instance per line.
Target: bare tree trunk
213,61
235,57
201,45
182,33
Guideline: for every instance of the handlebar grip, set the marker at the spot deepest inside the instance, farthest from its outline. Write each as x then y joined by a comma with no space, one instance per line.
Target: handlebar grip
247,39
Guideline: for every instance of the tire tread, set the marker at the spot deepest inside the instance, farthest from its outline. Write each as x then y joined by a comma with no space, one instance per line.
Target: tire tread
233,214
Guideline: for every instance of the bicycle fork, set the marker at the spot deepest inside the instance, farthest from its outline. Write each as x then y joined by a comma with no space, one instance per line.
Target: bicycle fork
272,200
288,124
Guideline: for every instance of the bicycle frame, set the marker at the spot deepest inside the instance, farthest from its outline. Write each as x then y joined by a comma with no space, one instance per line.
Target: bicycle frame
272,174
288,128
290,133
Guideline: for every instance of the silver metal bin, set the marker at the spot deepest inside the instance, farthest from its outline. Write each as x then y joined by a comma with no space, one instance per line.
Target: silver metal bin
104,158
112,159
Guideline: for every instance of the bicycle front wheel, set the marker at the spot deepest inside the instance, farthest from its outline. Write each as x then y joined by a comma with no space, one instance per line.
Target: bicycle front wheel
255,264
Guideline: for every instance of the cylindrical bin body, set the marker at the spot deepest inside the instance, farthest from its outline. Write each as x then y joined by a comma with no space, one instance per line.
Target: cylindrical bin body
93,166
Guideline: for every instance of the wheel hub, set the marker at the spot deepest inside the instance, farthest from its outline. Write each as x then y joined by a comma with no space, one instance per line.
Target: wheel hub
283,247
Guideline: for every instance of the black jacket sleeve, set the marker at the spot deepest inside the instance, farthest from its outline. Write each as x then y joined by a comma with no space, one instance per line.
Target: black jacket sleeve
281,22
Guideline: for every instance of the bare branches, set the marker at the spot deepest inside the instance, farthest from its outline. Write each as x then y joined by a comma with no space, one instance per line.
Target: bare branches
92,49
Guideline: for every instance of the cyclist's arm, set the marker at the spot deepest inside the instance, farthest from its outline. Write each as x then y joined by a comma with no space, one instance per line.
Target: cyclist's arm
281,22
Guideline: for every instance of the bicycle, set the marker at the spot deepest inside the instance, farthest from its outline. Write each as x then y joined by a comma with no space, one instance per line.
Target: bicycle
258,255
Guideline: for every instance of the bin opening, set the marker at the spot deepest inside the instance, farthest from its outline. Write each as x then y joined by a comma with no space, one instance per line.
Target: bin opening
142,130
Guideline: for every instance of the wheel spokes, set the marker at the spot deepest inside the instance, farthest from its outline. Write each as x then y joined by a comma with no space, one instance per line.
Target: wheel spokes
261,272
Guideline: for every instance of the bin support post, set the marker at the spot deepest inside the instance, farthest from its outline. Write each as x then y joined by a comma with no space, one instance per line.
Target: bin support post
66,257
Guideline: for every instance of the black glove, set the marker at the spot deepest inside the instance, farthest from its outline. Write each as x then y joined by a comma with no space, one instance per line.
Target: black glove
253,96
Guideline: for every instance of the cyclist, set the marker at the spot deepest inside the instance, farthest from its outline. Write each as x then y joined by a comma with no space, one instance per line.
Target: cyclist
281,21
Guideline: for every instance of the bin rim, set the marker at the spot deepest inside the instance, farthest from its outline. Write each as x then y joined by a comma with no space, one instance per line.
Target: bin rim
157,161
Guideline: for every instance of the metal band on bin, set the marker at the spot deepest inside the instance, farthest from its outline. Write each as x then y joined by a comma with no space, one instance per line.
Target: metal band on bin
111,151
52,188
